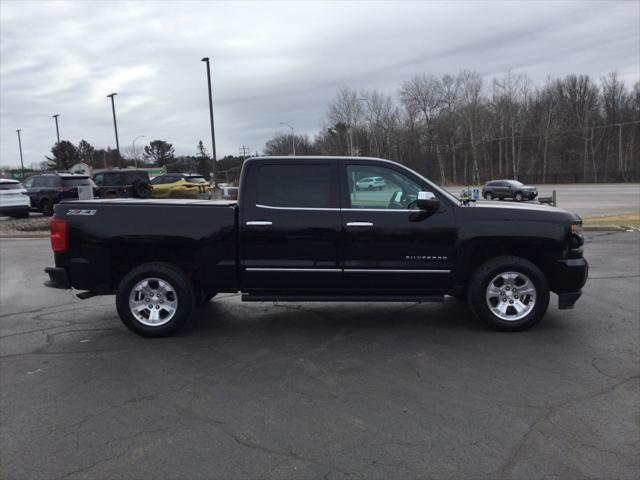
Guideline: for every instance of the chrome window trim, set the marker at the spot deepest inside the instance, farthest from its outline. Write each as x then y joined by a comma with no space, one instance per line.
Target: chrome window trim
296,208
415,210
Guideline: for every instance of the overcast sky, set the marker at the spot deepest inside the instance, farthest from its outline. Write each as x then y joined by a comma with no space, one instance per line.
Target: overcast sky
272,62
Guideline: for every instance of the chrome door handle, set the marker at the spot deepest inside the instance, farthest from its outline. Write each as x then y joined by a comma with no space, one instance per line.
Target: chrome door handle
359,224
259,223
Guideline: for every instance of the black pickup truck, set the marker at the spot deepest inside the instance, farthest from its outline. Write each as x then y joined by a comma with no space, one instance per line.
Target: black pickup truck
302,231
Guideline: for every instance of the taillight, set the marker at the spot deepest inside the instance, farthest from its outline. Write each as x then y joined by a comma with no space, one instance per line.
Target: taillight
59,238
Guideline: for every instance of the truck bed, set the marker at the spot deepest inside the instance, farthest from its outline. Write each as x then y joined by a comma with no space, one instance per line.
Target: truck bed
107,237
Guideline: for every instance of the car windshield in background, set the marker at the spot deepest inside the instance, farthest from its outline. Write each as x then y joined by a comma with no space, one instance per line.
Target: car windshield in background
10,186
515,183
74,182
197,179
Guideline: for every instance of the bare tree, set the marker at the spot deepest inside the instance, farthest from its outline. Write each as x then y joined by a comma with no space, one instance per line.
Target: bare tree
347,108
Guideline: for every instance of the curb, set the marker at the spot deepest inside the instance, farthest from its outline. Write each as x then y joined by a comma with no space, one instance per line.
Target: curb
606,228
24,235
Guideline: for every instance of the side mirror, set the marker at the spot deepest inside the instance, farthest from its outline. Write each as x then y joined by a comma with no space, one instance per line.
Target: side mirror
427,201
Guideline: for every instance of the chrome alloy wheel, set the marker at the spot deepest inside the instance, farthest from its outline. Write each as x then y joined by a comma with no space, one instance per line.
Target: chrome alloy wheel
153,302
511,296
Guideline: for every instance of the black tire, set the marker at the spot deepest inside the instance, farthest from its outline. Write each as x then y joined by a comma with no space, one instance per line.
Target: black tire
518,197
140,189
46,206
181,285
480,279
488,196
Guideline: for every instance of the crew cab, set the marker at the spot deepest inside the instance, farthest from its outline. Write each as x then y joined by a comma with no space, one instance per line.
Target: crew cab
301,231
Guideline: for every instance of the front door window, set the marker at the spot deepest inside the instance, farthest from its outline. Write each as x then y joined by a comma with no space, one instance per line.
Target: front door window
373,187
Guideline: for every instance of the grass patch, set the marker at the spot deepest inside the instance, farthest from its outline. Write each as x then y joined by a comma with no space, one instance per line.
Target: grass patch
625,220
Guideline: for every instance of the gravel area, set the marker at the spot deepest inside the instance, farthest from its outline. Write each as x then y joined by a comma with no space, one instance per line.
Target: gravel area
35,225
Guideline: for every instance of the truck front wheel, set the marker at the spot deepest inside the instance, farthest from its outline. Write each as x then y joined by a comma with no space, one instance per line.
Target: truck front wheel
155,299
508,293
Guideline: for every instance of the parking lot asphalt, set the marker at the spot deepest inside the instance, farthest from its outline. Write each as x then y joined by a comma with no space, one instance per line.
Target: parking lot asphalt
320,390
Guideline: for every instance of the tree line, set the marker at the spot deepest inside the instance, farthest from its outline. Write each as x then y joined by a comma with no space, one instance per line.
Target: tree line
463,129
158,153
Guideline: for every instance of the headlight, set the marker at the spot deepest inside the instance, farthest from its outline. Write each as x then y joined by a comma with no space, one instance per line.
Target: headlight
576,228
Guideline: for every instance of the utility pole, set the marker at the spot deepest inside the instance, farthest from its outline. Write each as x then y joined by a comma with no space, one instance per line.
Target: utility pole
57,130
135,154
115,124
213,135
293,137
244,151
21,159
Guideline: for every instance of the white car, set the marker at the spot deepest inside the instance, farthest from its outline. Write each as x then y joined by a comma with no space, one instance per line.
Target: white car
14,201
371,183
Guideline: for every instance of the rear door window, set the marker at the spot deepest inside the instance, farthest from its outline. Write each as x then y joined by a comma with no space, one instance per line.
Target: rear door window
131,177
295,185
74,182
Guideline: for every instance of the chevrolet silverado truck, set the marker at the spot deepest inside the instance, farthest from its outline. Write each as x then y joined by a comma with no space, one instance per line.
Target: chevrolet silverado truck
301,230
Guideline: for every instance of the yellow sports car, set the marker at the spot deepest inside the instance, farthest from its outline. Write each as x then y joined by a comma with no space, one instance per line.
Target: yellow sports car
181,185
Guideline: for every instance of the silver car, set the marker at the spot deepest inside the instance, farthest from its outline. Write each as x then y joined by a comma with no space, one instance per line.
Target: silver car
14,201
371,183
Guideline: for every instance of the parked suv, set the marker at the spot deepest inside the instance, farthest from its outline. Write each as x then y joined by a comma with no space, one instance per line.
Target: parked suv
14,201
370,183
48,189
513,189
123,183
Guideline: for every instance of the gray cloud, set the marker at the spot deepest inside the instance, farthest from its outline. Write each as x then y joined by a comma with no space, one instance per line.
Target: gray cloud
272,62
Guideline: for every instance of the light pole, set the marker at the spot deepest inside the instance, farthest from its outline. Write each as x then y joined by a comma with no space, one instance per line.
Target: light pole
293,137
135,154
213,135
115,124
57,130
21,160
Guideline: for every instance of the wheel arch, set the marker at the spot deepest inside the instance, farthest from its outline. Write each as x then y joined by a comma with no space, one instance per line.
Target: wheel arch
539,251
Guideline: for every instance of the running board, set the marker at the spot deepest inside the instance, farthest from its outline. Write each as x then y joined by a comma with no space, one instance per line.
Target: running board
346,298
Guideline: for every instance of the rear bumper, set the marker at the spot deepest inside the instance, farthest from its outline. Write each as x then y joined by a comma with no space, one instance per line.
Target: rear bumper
58,278
14,210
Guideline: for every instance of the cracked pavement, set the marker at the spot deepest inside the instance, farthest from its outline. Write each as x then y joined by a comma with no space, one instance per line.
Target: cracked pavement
334,391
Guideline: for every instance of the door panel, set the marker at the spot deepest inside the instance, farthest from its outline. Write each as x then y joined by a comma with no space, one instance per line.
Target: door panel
389,247
290,228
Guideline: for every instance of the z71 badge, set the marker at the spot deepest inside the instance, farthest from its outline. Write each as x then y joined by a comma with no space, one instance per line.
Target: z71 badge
76,211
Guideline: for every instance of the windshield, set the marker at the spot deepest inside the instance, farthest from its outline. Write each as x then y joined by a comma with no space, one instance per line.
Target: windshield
196,179
516,183
437,188
10,186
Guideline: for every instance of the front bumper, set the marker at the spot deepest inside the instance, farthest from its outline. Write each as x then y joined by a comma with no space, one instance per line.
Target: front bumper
58,278
569,278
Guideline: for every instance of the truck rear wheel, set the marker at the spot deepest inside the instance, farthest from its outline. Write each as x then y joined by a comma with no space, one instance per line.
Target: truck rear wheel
508,293
155,299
